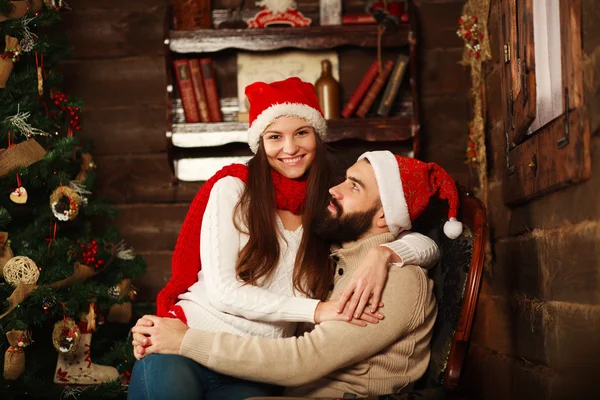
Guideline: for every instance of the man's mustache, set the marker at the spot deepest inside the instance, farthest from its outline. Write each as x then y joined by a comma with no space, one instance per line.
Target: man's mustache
337,205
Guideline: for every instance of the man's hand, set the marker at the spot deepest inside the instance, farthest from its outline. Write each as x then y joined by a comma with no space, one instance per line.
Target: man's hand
327,311
367,283
152,334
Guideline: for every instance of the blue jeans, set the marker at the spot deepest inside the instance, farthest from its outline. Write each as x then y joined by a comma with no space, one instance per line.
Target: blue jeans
166,376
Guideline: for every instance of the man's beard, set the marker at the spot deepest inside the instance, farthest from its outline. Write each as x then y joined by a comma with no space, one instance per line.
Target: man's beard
341,228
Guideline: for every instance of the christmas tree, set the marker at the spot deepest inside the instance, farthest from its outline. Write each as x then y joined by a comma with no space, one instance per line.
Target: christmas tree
65,274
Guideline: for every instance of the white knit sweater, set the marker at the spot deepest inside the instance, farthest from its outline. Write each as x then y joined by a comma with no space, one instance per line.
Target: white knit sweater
219,302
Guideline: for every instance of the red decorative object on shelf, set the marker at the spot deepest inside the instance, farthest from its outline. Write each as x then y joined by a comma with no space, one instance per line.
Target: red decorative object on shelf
278,12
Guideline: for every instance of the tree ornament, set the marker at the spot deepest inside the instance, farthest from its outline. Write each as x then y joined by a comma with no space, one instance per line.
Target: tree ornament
8,58
48,303
124,252
19,195
14,358
56,4
19,124
87,164
88,254
90,318
29,38
77,368
70,109
65,203
20,155
114,291
66,336
21,292
121,313
5,251
21,269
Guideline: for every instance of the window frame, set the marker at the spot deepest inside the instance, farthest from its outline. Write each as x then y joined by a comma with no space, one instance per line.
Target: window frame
557,154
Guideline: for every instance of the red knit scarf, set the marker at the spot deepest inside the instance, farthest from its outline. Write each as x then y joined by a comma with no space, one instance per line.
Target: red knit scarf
289,195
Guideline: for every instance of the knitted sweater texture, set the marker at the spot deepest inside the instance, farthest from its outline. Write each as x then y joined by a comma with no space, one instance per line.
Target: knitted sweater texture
289,195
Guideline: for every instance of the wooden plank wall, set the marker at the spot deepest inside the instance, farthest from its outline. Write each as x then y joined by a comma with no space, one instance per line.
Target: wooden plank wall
119,71
538,317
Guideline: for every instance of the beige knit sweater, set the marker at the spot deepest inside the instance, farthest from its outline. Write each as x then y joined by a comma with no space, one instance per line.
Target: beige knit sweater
337,358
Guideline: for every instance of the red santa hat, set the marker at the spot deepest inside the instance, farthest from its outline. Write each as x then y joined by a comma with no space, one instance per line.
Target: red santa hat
291,98
405,187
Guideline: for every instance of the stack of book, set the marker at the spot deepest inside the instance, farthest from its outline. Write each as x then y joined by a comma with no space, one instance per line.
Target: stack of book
198,90
371,85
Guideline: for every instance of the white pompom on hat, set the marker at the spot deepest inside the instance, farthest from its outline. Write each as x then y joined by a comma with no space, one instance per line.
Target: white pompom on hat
405,187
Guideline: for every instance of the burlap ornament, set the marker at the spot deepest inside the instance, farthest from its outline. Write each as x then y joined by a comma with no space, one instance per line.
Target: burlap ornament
6,59
81,272
21,292
21,269
20,8
5,251
87,164
66,336
65,203
20,155
14,357
121,313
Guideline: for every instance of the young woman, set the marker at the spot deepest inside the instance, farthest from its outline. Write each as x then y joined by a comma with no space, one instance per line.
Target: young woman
262,269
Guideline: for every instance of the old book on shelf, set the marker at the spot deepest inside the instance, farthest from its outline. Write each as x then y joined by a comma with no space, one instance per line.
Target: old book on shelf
199,90
375,88
210,85
358,19
186,91
191,14
360,91
391,89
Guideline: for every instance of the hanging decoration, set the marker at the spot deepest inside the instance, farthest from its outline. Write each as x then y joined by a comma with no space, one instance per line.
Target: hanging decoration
65,203
11,53
20,155
29,38
21,269
48,303
39,66
472,28
20,125
66,335
71,111
87,164
5,251
19,195
278,12
89,254
14,357
56,4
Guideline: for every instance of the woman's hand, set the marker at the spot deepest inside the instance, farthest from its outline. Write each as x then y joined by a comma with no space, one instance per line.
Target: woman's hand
152,334
327,311
367,283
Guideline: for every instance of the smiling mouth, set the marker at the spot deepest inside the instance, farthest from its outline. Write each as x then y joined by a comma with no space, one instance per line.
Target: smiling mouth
291,161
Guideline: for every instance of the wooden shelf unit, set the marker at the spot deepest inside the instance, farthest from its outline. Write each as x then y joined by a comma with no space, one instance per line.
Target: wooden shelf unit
403,127
269,39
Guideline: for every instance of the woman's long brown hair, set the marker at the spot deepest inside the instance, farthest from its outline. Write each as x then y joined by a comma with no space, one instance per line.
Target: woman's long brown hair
259,257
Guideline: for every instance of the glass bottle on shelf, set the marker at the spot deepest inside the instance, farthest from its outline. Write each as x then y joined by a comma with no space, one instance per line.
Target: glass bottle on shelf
328,92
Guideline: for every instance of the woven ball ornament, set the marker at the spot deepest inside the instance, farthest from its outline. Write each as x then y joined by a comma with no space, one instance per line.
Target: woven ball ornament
65,203
21,269
66,335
